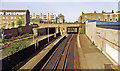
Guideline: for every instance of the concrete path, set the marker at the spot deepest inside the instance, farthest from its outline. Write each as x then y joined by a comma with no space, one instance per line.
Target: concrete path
89,56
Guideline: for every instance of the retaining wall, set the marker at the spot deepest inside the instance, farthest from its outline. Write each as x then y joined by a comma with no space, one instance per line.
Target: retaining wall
12,60
106,40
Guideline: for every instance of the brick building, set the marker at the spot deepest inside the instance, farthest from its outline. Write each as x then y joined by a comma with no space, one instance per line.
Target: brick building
44,18
10,16
104,16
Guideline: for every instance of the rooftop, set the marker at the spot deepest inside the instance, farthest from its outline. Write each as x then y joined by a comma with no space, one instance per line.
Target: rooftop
13,10
106,24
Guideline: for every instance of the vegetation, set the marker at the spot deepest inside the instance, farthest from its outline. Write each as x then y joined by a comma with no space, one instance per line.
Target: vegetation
27,35
5,41
49,21
11,49
5,24
20,21
19,29
82,31
10,46
118,19
13,24
63,20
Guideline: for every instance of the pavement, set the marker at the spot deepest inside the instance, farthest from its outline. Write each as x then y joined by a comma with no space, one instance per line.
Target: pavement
89,56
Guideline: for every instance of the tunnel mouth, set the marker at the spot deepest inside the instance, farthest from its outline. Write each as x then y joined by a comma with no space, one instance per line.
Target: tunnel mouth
72,30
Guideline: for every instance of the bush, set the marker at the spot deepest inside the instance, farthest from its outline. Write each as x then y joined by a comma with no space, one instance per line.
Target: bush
82,31
27,35
11,49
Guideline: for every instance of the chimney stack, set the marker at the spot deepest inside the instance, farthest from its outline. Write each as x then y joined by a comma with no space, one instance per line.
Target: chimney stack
112,11
41,15
94,11
82,12
48,15
103,11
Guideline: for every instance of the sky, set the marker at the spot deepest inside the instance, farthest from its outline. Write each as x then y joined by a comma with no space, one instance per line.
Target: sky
59,0
71,10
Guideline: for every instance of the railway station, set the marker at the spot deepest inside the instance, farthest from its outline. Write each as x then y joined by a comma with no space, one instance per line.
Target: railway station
59,36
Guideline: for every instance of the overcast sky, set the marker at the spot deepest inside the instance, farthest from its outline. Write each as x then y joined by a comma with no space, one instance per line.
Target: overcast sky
60,0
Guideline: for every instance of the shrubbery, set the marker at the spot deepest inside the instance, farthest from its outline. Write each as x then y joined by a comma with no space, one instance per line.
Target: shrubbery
11,49
82,31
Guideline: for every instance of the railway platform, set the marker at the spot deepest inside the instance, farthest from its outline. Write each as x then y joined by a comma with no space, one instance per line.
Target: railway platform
36,59
89,56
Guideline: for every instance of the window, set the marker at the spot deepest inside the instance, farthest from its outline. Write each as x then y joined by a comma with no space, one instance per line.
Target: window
110,19
3,17
99,17
110,15
7,21
19,17
116,19
15,21
15,17
105,19
3,21
91,15
105,15
4,13
11,17
11,21
6,17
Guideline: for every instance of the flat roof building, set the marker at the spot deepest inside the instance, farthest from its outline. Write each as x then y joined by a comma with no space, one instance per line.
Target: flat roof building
44,18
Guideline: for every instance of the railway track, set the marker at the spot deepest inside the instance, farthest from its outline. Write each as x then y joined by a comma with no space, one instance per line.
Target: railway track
60,57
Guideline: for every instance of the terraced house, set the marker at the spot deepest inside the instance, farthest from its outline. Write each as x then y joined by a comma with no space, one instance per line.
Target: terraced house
104,16
43,18
14,18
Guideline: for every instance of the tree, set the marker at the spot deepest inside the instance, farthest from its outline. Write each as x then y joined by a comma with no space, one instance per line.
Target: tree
13,24
118,19
20,21
48,21
19,29
63,20
5,24
3,35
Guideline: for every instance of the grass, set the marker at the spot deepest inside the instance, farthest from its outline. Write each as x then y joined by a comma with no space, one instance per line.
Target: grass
14,39
11,49
82,31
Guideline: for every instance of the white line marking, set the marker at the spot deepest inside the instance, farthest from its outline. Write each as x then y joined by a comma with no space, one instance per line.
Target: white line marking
78,41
